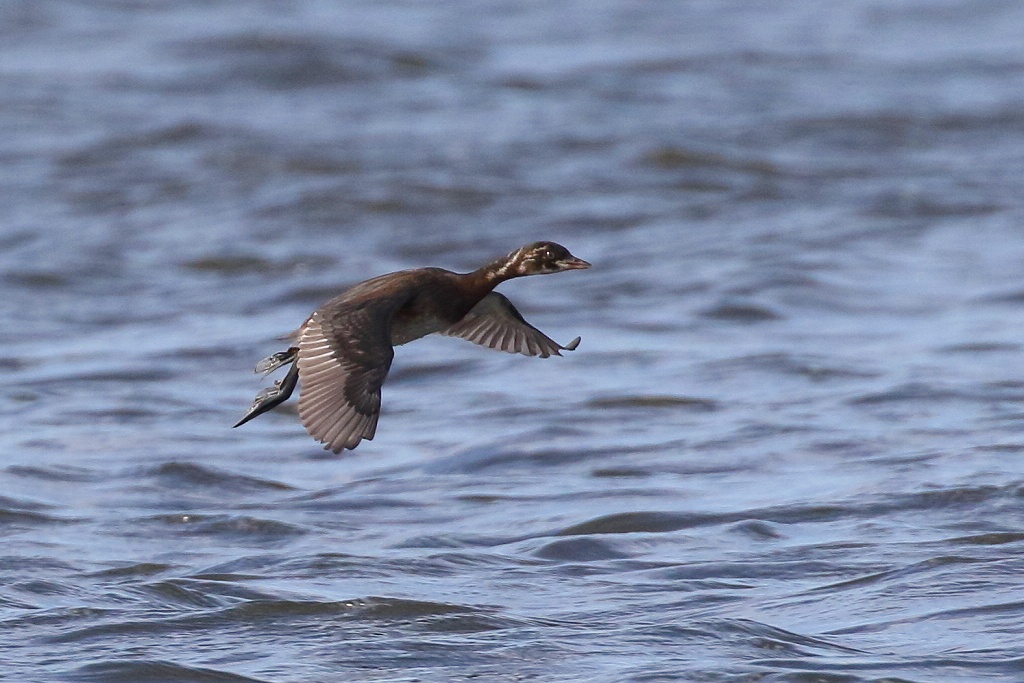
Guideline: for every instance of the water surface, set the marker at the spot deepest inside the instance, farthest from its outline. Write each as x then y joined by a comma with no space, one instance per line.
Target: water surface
787,449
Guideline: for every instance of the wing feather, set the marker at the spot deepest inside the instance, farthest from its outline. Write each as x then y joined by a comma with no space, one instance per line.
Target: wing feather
496,324
344,356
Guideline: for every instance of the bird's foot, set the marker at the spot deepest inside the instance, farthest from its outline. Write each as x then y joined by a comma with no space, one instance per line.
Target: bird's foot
271,363
271,397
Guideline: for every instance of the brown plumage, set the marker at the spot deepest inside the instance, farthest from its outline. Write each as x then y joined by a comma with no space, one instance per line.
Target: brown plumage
343,352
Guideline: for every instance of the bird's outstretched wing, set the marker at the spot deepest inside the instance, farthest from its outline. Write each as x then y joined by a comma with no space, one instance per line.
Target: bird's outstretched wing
496,324
344,356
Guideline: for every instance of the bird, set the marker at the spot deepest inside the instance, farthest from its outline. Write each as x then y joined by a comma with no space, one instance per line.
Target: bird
342,352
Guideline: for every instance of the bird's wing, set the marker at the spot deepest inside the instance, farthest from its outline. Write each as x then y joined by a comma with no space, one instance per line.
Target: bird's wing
496,324
344,355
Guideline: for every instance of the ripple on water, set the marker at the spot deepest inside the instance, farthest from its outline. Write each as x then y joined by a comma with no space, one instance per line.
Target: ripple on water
178,474
686,403
20,512
581,549
130,572
914,393
637,522
239,528
284,61
484,458
761,520
980,347
736,311
155,671
420,613
817,367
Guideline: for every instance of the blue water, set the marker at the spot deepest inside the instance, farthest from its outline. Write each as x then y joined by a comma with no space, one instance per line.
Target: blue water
788,448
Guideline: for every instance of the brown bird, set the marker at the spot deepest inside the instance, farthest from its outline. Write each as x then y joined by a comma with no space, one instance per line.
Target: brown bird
343,352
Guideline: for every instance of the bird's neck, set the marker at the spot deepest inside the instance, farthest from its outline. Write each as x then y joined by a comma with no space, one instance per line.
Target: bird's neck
498,270
482,280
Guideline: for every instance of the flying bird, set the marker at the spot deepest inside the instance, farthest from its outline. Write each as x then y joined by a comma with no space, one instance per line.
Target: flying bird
342,353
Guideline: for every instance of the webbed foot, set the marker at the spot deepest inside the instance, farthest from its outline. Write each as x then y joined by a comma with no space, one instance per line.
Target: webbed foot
271,363
271,397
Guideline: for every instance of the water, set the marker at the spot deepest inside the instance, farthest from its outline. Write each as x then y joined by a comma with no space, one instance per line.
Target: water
788,448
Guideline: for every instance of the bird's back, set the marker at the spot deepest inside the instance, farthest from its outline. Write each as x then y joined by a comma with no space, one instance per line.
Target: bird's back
410,303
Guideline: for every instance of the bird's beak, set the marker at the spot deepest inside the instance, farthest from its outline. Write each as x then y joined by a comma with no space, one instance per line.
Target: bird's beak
572,263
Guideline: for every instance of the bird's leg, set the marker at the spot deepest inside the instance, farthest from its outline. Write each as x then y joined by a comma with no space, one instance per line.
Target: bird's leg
274,396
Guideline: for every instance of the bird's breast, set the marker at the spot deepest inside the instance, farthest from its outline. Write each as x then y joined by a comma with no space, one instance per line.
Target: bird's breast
405,329
437,304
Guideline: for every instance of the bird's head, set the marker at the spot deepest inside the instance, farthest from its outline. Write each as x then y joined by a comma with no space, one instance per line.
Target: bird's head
543,257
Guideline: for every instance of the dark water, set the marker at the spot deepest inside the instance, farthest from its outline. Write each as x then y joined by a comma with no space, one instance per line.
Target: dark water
789,447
